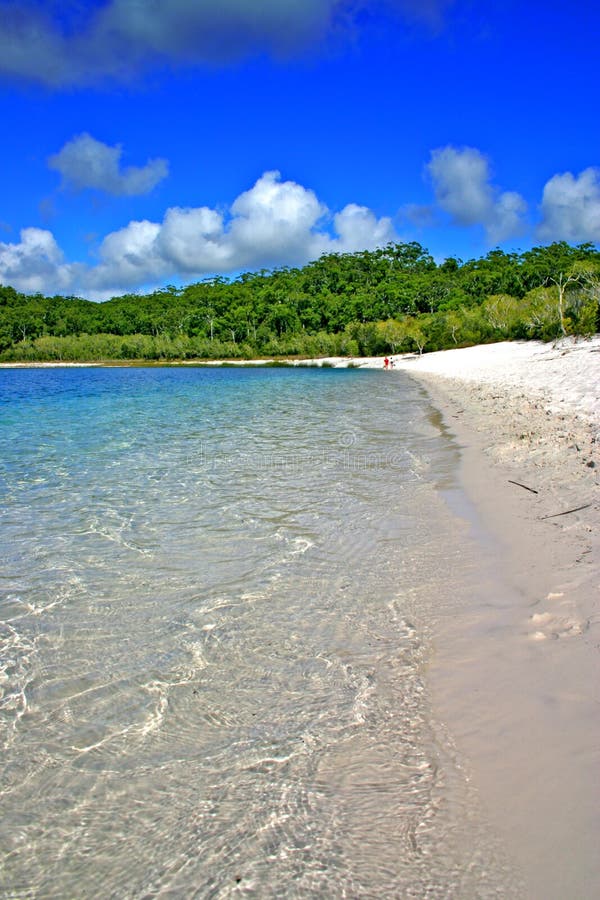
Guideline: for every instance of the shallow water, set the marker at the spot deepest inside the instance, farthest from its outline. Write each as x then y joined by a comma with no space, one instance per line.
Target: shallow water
218,589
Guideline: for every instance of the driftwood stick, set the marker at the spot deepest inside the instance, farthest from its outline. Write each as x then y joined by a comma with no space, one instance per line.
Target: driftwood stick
566,512
533,490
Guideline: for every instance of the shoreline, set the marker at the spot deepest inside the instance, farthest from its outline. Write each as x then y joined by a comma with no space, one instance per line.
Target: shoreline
477,362
516,675
330,362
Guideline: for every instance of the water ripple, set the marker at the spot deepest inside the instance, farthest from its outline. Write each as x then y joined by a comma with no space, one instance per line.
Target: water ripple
216,601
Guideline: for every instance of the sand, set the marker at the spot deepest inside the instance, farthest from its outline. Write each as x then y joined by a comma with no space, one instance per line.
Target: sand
528,418
517,676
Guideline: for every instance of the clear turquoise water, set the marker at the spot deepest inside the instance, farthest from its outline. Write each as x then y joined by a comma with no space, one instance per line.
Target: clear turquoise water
217,594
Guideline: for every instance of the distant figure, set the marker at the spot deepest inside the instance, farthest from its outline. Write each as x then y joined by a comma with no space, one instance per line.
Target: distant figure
386,363
391,362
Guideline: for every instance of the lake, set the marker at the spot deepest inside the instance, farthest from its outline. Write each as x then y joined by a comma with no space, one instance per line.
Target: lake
219,594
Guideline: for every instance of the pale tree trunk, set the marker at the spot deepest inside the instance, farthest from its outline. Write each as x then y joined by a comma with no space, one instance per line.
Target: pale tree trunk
562,282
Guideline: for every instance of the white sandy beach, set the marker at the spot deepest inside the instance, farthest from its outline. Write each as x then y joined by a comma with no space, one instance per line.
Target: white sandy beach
517,674
521,677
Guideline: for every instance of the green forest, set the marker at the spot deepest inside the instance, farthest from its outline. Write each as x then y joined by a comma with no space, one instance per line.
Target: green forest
392,300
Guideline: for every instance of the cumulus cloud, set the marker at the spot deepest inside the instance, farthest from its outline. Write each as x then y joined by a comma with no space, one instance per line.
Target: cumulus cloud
59,44
358,228
571,207
36,263
84,162
129,258
273,223
463,189
193,239
276,220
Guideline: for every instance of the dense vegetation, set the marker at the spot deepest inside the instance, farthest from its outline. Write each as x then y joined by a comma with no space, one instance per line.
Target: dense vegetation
389,300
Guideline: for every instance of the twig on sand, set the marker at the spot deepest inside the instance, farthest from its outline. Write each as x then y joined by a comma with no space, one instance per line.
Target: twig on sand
566,512
518,483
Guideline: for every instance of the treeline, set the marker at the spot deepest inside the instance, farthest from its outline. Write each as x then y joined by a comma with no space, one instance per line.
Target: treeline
390,300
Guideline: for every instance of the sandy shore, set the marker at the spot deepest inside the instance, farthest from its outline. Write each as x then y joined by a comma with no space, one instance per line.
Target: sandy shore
518,674
528,419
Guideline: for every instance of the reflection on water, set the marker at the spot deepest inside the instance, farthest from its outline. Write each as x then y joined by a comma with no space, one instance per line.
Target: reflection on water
217,592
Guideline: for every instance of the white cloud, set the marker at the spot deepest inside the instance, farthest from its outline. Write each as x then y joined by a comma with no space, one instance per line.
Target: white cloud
128,257
273,223
463,189
193,239
84,162
61,43
358,228
275,220
508,215
571,207
35,264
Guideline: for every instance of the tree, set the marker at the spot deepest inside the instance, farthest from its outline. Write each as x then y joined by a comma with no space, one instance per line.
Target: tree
502,312
393,334
539,313
282,318
415,331
372,301
562,282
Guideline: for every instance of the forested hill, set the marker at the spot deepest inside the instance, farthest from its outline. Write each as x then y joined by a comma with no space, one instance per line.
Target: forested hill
389,300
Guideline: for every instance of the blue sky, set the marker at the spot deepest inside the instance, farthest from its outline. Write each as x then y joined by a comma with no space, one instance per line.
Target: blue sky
148,143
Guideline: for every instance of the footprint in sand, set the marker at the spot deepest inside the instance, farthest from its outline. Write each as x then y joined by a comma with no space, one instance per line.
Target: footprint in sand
544,625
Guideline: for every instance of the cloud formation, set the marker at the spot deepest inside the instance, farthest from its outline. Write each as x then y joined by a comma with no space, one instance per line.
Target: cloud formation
36,263
571,207
462,185
84,162
60,43
278,222
273,223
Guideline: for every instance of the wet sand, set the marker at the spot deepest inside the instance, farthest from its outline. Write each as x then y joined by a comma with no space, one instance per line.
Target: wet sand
517,673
